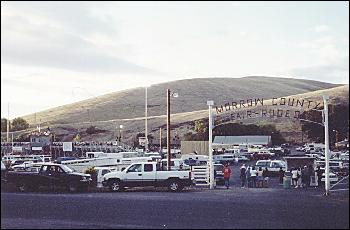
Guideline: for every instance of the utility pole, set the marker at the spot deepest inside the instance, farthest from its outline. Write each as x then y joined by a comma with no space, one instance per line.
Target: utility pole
146,131
160,140
8,122
211,168
168,128
326,137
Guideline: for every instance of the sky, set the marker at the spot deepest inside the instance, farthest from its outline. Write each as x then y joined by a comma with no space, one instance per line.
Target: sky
54,53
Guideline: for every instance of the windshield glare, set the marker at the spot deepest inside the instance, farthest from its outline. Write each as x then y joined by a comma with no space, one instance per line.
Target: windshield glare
66,169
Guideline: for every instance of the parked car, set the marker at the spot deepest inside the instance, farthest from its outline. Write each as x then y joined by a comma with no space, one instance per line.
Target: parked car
176,164
333,178
147,174
224,158
52,176
261,156
219,169
241,158
59,160
100,172
300,149
273,166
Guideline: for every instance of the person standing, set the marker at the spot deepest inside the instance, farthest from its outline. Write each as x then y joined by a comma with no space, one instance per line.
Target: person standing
260,178
295,177
266,177
247,174
227,174
243,175
311,173
305,176
253,174
319,176
281,175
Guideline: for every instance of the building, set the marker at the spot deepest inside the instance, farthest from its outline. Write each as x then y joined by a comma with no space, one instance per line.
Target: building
231,141
40,142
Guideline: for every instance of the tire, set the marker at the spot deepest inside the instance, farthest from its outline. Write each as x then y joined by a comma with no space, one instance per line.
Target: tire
72,187
174,186
115,186
22,187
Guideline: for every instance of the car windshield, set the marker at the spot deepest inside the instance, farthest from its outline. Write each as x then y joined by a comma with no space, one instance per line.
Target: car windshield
66,169
219,167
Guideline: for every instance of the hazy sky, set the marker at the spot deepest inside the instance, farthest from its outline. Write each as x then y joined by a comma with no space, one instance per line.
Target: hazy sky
53,53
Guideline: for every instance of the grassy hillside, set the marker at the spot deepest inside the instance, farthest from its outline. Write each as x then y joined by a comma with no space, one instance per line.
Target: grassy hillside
193,94
181,121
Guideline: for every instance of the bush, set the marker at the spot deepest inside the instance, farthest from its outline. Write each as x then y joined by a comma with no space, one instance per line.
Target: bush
91,130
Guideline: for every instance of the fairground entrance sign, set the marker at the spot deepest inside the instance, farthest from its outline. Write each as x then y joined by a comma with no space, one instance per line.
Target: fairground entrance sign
284,107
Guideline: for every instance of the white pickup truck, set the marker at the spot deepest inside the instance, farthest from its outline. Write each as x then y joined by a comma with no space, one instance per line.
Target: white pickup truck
147,174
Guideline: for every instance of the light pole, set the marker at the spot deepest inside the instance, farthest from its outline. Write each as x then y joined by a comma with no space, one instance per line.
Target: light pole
168,125
336,138
326,137
120,132
211,168
146,118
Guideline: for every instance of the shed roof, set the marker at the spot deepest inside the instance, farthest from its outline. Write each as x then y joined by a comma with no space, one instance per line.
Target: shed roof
258,140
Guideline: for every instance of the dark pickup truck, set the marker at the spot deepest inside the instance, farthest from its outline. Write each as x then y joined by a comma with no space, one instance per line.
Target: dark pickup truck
53,176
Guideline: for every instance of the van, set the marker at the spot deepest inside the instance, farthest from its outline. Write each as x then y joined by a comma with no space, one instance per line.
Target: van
273,166
224,158
176,164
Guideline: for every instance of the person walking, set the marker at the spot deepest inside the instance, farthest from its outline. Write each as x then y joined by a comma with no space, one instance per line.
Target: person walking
253,174
227,174
242,175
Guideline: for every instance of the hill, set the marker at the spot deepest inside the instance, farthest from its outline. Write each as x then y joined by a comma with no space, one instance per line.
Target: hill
182,121
193,94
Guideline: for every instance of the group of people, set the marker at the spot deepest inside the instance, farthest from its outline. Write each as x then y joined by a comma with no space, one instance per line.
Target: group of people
301,177
253,177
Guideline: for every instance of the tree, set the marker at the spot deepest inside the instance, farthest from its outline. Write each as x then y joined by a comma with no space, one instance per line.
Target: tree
91,130
338,120
4,125
19,124
77,138
199,126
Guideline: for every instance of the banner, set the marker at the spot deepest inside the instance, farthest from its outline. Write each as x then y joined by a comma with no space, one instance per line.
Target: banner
67,146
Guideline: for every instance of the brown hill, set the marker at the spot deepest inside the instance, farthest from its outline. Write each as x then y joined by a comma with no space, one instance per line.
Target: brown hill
193,94
181,122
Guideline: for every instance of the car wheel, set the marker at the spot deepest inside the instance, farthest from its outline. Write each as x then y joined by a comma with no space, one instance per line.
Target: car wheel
115,186
174,186
72,187
22,187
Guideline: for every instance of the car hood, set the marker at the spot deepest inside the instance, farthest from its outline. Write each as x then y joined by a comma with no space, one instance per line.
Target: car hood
80,174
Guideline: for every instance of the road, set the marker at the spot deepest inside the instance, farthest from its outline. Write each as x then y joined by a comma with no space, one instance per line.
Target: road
192,208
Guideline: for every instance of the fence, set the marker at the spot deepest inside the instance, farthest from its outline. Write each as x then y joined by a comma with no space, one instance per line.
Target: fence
201,175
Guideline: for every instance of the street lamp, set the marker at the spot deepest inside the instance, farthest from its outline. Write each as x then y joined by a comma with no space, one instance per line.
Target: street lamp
336,138
173,94
120,132
146,118
211,166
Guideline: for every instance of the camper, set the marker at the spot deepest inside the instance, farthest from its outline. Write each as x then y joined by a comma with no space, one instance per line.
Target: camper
194,159
106,159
